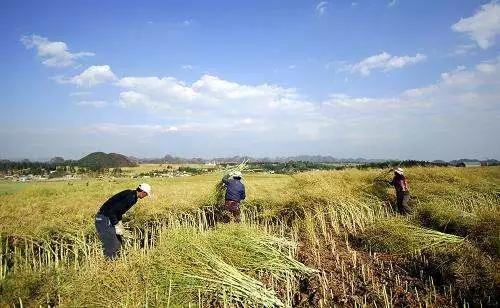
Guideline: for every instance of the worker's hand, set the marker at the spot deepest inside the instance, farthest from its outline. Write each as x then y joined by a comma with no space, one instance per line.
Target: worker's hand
119,229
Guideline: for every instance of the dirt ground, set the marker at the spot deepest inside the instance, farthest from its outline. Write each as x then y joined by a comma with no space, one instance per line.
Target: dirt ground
341,281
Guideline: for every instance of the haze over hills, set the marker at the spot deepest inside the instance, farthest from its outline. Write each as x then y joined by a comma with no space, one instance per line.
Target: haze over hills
115,160
307,158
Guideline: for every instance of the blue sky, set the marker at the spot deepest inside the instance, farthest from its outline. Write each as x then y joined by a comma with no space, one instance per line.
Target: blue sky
374,79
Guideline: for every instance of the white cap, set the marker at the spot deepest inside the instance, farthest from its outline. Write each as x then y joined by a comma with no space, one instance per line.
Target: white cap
145,188
236,174
399,170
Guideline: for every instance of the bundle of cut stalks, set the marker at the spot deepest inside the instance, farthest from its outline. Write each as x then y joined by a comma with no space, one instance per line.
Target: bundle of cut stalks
399,236
224,263
226,266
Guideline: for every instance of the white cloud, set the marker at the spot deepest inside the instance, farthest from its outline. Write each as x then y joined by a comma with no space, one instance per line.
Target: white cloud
464,49
95,104
482,27
456,116
462,87
322,8
131,129
154,93
54,54
212,103
345,101
149,130
94,75
392,3
189,67
207,93
384,62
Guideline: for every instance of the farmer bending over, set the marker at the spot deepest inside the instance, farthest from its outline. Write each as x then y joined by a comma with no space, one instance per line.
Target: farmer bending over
108,220
235,192
402,191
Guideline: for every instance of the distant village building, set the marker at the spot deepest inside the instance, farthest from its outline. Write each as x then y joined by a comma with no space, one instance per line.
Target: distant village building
469,164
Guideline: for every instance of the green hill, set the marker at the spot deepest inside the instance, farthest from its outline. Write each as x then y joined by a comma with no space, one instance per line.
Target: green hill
100,160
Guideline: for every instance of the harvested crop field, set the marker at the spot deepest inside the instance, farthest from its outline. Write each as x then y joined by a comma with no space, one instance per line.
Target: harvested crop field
312,239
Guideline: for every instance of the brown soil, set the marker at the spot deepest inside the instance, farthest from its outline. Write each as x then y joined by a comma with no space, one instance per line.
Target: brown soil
345,286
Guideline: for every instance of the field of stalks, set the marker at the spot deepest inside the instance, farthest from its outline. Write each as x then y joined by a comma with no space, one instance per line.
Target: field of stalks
312,239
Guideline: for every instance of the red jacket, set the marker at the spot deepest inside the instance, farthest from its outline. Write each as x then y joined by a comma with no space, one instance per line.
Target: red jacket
400,184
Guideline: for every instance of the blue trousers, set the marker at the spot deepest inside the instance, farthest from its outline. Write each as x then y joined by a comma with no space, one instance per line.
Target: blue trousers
110,241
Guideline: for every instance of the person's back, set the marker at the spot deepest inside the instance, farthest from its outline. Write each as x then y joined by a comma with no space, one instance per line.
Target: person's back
235,190
399,182
117,205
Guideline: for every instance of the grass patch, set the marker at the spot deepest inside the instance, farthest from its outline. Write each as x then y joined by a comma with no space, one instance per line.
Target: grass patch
10,187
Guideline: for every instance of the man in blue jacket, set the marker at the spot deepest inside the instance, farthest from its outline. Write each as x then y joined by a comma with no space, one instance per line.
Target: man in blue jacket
235,192
108,220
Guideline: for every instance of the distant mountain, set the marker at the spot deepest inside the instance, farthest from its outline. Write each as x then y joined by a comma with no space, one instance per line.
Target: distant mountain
99,160
58,160
170,159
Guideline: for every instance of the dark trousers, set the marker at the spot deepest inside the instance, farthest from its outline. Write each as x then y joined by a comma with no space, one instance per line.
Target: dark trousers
233,207
402,198
107,234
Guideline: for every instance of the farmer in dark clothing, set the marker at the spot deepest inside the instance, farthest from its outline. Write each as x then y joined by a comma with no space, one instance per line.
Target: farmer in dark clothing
402,191
108,220
235,192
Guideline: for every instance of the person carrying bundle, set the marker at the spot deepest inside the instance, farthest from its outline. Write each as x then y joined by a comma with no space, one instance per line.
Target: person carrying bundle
108,220
402,191
235,192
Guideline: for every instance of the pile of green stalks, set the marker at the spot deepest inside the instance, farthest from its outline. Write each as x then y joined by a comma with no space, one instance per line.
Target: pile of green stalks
231,264
398,235
480,224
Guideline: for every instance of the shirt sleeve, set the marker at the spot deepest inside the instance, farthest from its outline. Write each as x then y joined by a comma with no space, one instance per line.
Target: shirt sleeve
126,201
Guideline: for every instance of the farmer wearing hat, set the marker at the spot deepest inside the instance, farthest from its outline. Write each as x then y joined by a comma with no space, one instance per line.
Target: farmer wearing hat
108,220
402,191
235,192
